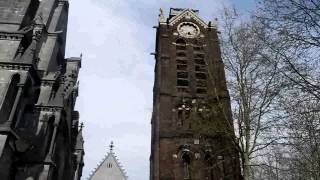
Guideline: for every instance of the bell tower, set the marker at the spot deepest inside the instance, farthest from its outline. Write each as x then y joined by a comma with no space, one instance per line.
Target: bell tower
192,128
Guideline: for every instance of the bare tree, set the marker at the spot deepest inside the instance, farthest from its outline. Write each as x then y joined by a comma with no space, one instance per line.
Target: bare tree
292,34
303,127
254,84
293,28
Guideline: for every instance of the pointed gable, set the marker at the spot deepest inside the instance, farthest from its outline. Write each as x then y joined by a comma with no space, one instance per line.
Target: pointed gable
188,14
109,169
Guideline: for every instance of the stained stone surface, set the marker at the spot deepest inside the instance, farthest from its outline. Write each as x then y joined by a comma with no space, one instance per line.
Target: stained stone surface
192,128
40,137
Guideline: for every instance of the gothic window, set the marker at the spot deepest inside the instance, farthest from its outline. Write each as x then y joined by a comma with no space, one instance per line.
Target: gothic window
10,98
201,91
182,82
200,68
221,165
182,75
210,166
180,117
182,90
181,61
201,79
199,56
186,166
201,76
181,48
197,48
183,114
199,61
181,54
49,130
180,44
201,83
182,67
109,165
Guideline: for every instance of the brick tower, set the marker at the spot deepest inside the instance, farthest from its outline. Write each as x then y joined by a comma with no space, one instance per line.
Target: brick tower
39,134
192,129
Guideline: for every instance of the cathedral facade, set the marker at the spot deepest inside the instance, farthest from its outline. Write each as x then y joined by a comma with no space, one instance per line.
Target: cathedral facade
192,128
40,137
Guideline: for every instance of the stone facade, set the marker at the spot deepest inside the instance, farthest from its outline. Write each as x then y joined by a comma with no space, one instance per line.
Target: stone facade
192,128
39,134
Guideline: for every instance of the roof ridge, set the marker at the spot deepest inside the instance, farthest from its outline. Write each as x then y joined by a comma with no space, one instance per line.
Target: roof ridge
191,14
112,154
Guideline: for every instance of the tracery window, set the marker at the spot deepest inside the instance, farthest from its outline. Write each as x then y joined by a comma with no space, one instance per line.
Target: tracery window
186,166
182,66
200,68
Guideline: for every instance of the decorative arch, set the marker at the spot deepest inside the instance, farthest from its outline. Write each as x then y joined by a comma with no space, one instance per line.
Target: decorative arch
210,165
186,157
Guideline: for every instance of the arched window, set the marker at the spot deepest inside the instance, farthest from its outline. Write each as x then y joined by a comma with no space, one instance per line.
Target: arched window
49,131
210,166
9,99
186,165
181,54
180,44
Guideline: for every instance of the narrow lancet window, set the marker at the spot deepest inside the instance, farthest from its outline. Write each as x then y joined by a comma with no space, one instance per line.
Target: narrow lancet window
186,166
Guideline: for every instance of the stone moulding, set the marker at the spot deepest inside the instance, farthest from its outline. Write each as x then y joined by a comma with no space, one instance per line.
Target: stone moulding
190,15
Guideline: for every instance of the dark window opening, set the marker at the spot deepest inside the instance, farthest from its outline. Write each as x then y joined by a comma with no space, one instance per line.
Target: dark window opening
210,165
181,82
201,91
180,118
201,76
186,165
9,98
181,42
199,55
201,83
182,67
180,61
181,54
178,47
183,75
109,165
198,48
182,90
200,61
201,68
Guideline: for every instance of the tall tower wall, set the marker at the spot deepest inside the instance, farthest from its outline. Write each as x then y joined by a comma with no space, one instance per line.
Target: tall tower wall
39,134
192,129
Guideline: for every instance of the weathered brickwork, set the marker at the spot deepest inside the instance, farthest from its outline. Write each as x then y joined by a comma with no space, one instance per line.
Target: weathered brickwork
192,129
40,137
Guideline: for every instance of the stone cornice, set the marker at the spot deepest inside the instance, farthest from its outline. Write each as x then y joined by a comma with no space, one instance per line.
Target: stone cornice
47,108
13,36
187,13
15,66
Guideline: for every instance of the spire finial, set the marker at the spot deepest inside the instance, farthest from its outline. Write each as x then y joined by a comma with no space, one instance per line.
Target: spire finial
111,147
162,19
81,126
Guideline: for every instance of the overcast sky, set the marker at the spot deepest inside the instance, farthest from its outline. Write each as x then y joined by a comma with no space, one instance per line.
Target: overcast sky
116,80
